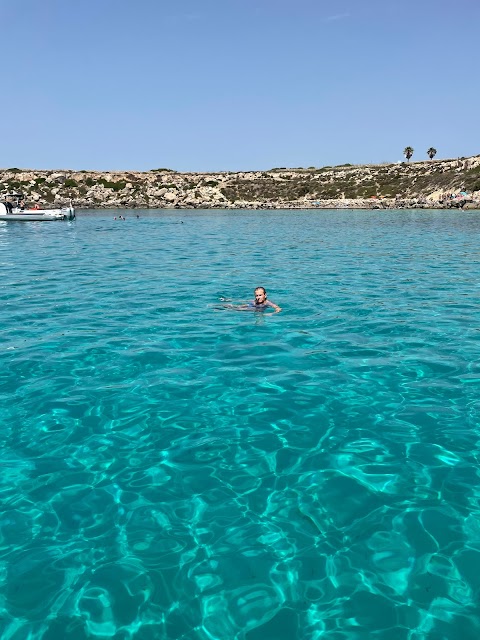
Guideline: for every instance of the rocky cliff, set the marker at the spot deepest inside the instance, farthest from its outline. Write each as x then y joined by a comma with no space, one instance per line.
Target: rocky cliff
428,183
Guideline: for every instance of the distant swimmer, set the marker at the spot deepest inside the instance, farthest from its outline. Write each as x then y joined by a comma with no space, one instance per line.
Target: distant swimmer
259,304
261,301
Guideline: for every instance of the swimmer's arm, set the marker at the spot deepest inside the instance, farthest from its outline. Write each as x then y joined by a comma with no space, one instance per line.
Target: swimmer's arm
236,307
274,306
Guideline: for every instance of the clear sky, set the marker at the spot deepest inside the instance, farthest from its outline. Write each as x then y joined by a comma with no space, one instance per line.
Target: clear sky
233,85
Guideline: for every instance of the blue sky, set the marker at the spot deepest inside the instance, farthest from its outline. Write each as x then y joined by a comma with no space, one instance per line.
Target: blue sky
236,85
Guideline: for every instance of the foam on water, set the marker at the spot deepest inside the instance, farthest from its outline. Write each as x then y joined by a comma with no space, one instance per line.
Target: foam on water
172,469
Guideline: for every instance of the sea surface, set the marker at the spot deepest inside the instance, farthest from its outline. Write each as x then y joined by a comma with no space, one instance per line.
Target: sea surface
175,469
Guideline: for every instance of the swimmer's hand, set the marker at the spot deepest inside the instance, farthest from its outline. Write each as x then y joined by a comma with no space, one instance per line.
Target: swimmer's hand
274,306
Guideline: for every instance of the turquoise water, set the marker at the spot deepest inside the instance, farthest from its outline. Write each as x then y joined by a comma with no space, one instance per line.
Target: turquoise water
173,469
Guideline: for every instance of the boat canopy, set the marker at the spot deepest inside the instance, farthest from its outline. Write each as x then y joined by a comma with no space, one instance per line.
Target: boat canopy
13,196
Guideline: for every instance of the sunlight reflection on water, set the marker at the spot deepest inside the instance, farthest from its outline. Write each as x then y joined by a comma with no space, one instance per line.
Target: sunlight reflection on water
172,469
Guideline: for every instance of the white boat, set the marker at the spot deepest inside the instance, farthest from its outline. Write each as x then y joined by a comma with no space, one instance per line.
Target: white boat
12,207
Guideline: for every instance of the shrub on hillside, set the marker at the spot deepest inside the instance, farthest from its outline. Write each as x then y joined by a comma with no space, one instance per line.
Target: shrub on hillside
115,186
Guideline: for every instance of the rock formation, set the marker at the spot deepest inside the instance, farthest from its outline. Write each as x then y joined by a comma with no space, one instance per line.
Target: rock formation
416,184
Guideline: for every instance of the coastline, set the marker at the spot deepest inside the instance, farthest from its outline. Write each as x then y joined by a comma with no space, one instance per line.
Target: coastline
433,184
330,205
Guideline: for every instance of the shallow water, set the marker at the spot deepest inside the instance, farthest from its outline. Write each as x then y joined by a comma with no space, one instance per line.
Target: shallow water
173,469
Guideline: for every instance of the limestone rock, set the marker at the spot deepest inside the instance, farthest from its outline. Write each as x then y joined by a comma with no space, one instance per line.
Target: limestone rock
415,184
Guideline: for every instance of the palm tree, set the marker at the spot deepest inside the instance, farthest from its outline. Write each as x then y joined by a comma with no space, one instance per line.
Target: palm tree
431,153
408,153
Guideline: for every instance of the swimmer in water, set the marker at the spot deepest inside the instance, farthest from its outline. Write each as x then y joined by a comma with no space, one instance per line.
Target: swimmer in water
259,304
261,301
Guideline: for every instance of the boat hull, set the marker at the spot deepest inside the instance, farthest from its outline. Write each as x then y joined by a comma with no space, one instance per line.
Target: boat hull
38,215
32,218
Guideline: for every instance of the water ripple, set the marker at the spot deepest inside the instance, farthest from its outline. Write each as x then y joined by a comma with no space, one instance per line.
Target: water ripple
174,469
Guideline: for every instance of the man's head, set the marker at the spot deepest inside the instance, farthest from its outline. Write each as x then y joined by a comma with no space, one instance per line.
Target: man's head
260,295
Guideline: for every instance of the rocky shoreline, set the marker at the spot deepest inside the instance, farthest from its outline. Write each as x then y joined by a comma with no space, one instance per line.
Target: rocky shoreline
443,184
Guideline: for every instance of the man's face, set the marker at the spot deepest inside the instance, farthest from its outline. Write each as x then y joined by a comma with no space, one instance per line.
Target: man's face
260,296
